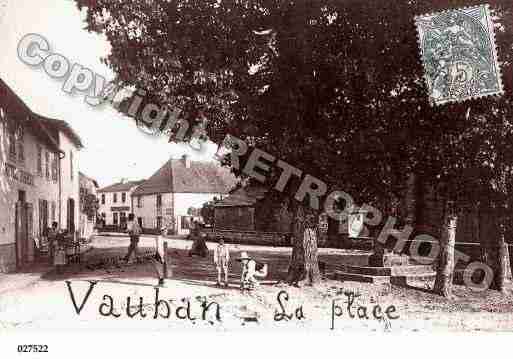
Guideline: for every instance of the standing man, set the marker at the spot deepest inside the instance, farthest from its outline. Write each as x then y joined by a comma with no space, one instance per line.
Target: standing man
134,231
221,260
160,256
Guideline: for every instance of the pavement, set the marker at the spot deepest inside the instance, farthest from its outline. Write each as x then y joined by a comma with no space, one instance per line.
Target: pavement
19,280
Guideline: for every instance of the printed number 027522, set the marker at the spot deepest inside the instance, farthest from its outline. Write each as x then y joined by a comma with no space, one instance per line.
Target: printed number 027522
32,348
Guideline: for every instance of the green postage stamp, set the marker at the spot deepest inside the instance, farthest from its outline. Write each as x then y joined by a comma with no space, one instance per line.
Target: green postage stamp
459,54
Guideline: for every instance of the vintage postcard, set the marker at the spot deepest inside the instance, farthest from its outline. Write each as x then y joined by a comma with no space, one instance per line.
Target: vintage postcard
247,166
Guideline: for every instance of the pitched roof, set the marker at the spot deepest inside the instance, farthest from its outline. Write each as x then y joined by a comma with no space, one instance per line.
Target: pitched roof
243,197
200,177
81,174
121,186
64,127
39,125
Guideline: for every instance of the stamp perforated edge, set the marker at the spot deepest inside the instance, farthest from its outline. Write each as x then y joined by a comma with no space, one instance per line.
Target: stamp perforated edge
490,23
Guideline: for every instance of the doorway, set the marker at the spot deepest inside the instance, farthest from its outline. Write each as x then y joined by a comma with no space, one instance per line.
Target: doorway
22,196
43,225
70,216
23,233
122,220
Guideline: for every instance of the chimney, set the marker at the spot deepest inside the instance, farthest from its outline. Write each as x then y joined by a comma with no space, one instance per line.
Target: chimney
123,180
186,161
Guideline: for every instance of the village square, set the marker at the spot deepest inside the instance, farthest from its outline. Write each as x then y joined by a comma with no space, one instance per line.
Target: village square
284,176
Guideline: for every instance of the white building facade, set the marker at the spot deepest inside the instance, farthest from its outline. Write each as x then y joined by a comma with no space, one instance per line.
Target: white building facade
88,188
175,194
115,203
38,179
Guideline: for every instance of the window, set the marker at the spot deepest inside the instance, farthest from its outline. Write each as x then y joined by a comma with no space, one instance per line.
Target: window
123,197
115,218
103,198
71,164
47,165
22,196
139,201
83,193
115,197
11,138
55,165
159,201
122,219
21,150
39,160
53,211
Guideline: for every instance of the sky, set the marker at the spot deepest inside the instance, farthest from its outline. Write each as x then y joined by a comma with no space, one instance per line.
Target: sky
114,147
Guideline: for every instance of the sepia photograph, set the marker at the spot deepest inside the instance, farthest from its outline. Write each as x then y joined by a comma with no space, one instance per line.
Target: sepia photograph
225,174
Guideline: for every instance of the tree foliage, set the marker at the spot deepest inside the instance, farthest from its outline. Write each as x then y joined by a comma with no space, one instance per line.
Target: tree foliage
91,205
334,87
207,211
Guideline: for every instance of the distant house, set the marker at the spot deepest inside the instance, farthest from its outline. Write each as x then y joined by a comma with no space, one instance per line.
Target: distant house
116,203
248,209
176,192
88,189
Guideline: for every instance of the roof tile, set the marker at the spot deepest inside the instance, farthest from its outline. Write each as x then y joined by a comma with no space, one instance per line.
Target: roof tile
121,186
199,177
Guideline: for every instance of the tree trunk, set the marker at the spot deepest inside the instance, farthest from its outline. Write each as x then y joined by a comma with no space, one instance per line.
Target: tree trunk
491,237
304,265
445,268
509,261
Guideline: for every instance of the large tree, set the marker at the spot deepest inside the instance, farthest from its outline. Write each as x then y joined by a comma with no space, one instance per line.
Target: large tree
333,87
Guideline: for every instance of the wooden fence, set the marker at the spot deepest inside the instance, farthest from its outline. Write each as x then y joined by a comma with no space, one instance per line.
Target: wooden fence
252,237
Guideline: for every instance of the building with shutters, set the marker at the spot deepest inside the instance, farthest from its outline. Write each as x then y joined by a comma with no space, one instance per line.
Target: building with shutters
174,195
116,203
39,181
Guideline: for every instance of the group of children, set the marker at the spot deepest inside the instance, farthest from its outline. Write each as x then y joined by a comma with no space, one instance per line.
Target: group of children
250,268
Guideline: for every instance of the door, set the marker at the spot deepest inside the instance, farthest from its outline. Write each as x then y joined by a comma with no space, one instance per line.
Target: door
122,220
43,221
70,217
23,232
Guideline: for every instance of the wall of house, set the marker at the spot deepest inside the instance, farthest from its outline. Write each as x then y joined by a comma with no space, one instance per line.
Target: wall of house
86,224
148,211
110,207
173,210
184,201
234,218
42,188
263,217
69,181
